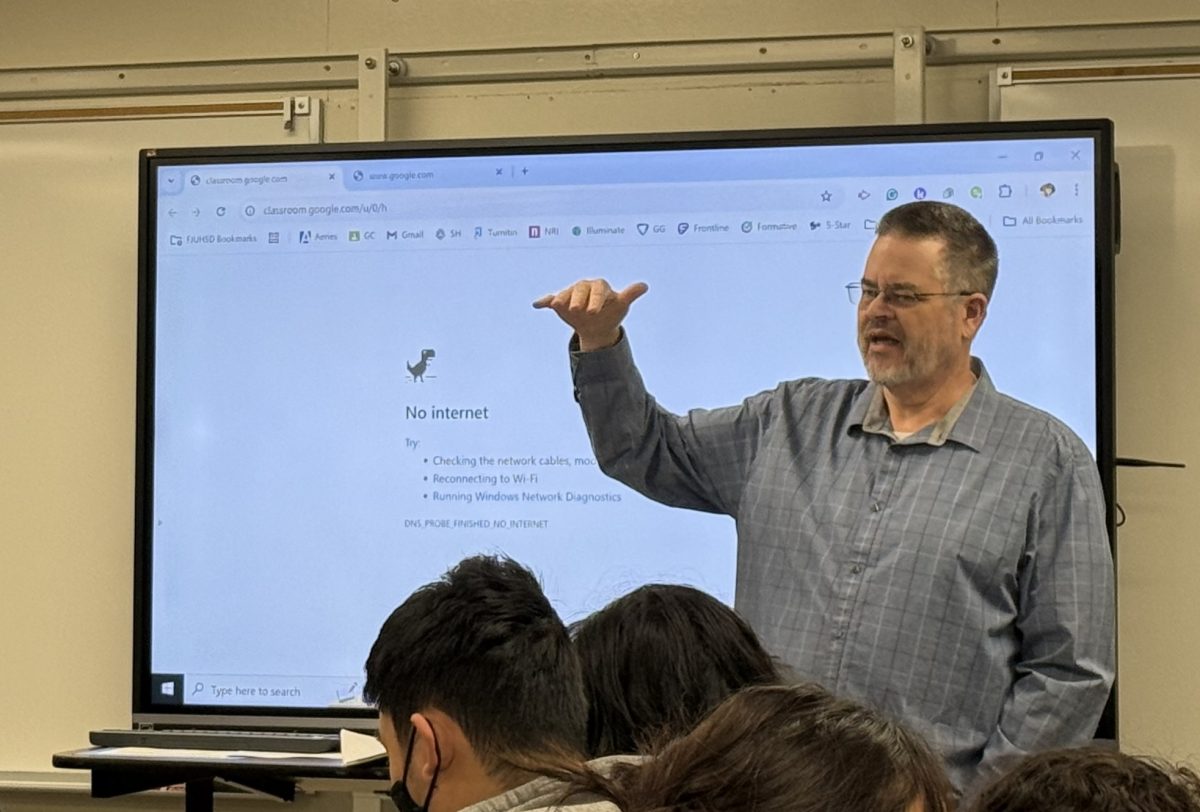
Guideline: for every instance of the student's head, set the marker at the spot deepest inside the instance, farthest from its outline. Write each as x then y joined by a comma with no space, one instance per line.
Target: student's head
788,749
657,660
477,685
1091,779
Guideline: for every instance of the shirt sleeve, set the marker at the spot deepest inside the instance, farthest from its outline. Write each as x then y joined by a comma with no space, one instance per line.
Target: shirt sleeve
1065,617
699,460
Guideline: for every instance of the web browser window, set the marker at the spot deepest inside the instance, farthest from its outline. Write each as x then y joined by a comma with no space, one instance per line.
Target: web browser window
351,391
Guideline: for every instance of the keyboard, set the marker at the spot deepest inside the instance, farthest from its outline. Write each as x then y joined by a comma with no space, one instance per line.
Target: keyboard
265,740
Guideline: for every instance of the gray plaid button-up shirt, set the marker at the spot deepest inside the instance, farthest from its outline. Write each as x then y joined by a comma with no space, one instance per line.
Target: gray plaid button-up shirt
960,579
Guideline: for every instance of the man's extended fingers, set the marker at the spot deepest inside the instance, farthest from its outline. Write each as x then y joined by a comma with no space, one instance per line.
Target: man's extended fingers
581,295
632,293
599,295
558,301
590,296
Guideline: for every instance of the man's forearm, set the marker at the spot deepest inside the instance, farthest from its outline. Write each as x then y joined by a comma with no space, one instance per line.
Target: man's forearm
635,441
1059,707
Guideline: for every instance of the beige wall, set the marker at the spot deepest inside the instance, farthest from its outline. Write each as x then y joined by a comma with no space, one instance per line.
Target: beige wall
79,32
67,327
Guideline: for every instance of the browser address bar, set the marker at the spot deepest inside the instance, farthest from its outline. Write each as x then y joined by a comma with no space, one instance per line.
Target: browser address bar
303,211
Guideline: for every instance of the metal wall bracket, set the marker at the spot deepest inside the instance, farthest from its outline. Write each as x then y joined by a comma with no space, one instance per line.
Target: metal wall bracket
294,106
1154,41
373,72
908,67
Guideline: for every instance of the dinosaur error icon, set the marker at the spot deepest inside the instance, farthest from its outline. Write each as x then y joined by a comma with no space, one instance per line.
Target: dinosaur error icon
417,370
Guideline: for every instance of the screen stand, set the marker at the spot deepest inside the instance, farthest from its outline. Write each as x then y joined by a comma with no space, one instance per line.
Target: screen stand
199,784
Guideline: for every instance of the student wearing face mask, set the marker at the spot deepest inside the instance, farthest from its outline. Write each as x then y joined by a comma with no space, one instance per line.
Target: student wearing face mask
480,696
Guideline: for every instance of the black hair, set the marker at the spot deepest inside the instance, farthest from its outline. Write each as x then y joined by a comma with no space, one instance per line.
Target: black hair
483,645
657,660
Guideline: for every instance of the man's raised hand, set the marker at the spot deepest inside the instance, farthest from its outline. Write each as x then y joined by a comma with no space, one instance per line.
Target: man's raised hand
593,309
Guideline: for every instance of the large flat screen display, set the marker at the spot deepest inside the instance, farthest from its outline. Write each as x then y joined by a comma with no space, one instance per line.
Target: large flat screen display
343,388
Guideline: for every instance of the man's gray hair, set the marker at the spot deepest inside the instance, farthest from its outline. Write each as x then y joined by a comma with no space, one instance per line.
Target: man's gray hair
971,259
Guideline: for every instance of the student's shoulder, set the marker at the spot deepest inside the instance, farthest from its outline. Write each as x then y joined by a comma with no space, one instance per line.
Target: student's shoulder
587,802
561,796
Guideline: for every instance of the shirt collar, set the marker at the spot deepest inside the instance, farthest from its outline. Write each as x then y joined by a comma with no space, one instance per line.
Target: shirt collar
964,423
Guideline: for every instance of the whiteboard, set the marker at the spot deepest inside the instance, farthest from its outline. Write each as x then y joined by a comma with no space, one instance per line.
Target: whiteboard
68,316
1158,388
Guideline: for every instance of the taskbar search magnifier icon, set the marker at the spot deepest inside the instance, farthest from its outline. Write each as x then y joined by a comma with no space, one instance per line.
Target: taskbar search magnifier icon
198,688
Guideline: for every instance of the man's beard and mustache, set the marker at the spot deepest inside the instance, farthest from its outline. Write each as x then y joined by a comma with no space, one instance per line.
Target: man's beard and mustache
919,358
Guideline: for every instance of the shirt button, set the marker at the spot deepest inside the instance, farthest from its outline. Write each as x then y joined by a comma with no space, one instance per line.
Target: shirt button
876,507
856,569
837,634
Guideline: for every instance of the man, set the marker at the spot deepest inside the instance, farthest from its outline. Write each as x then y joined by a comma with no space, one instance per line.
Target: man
918,541
479,691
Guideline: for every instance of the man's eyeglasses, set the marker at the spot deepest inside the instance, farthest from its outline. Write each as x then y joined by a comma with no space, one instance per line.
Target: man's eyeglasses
860,293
